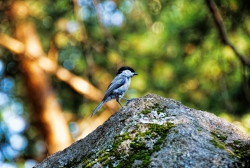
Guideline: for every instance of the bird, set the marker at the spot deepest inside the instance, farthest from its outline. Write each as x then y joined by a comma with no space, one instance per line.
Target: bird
118,86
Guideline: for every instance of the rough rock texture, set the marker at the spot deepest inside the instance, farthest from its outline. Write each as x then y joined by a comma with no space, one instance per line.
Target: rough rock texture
153,131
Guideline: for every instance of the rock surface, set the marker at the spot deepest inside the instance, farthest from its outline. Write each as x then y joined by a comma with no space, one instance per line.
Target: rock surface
153,131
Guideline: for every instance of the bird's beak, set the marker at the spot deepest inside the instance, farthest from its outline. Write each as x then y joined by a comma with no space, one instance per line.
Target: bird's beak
135,73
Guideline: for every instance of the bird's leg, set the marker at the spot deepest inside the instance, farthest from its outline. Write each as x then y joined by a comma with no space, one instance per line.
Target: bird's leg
117,99
119,103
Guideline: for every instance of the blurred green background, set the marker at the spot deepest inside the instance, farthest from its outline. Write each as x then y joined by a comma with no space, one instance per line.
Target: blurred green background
173,45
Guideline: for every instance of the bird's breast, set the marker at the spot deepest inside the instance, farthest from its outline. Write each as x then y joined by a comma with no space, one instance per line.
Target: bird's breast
122,89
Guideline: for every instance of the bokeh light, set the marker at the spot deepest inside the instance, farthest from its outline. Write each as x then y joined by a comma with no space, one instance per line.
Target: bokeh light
1,67
7,84
3,98
8,165
29,163
18,142
72,26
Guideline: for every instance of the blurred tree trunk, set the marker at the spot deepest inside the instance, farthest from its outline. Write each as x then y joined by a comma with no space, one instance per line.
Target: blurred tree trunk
47,113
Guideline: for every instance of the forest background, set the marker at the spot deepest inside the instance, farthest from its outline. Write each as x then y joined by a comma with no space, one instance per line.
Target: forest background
58,57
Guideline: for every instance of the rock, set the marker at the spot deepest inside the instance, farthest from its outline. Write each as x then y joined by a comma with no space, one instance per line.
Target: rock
153,131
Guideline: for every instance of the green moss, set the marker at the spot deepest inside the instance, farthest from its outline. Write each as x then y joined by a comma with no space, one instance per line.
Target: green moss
105,157
217,144
237,142
137,148
120,139
242,152
136,145
88,163
219,136
199,129
156,107
218,140
146,111
236,149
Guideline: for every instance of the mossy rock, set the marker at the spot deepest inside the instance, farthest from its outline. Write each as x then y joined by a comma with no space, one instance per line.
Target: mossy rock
153,131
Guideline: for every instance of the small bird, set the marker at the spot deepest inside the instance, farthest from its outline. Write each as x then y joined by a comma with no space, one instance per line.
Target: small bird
118,86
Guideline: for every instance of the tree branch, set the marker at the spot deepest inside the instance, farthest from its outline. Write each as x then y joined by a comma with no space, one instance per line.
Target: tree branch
12,44
79,84
245,84
46,112
222,31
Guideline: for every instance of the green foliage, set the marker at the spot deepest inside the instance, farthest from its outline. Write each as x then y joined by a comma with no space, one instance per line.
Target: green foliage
173,45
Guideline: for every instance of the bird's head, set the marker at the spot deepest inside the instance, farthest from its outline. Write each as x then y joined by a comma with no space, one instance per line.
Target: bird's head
125,70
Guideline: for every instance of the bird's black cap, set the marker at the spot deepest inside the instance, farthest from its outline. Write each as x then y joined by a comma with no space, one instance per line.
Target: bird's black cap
125,68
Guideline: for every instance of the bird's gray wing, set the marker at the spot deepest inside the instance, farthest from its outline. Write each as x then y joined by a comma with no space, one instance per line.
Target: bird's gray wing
116,83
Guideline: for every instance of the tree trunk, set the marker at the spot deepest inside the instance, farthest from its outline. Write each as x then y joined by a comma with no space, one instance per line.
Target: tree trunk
47,113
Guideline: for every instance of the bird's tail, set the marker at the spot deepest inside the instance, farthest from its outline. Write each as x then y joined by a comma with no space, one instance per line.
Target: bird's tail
97,108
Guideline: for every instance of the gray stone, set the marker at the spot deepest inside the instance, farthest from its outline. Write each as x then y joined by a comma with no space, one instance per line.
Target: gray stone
153,131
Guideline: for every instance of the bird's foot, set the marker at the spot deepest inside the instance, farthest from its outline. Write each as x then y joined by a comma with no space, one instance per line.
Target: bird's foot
127,99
